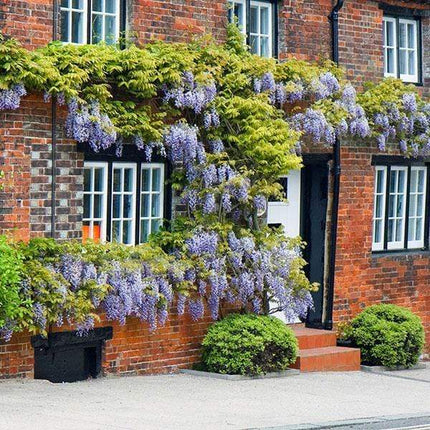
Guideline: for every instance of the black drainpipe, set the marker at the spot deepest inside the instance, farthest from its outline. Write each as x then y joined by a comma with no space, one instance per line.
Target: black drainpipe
54,130
336,170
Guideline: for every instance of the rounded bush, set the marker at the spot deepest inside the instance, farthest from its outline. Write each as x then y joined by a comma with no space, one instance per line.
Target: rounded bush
249,345
387,335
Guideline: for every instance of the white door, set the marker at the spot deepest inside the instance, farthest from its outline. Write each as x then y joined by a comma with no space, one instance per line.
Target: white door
287,214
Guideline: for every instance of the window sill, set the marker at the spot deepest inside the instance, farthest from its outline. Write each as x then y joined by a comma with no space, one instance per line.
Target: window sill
401,253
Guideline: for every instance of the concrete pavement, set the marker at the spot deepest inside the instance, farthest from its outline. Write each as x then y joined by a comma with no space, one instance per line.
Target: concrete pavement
193,402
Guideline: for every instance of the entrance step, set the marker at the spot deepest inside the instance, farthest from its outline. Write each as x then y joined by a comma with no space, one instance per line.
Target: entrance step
318,352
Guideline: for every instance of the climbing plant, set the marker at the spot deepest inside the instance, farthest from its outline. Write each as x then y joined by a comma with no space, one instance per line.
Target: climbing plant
231,124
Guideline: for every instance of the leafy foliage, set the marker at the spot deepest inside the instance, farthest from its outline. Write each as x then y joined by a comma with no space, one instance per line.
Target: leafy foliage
249,345
387,335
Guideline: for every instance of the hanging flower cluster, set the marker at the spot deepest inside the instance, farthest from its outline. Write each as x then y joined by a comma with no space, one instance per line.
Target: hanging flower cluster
87,125
11,99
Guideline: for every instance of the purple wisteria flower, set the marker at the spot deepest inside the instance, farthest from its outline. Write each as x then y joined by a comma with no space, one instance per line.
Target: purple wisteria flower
409,102
11,99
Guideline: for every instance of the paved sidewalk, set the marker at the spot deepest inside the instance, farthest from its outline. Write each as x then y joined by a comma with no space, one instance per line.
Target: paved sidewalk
193,402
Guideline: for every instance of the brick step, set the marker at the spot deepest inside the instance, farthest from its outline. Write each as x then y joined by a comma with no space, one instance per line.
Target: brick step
328,359
310,338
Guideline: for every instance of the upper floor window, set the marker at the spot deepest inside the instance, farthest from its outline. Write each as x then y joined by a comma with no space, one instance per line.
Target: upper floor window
255,19
90,21
400,217
402,48
123,201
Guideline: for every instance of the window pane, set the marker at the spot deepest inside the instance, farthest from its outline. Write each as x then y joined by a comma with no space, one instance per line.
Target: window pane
116,230
65,25
389,33
98,180
253,41
98,202
413,205
390,61
414,178
238,13
156,178
390,230
110,6
87,199
403,62
145,179
412,70
97,5
144,230
127,207
378,206
411,36
264,48
378,233
401,181
419,229
78,4
110,29
411,232
65,3
380,181
77,27
87,179
254,20
116,206
127,233
144,210
399,230
421,180
402,35
128,179
264,20
155,225
420,205
117,180
97,28
155,210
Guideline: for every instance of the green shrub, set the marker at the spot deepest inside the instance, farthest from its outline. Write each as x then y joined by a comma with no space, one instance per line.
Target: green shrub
387,335
249,345
10,277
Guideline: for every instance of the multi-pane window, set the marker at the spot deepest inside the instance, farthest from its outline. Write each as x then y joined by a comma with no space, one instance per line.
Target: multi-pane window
151,199
255,19
399,217
95,186
123,201
104,22
401,48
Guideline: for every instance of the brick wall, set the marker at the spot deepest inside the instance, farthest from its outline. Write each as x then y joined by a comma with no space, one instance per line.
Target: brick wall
133,349
362,277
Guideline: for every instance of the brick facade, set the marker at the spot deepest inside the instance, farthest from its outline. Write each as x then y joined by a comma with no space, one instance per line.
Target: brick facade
362,278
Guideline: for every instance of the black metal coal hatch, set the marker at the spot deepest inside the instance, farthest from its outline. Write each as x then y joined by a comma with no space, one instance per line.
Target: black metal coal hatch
67,357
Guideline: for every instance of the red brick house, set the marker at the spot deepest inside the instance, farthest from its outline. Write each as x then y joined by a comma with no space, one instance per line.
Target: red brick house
382,255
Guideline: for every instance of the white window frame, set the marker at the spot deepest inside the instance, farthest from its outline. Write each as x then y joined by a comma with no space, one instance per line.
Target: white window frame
92,165
122,193
84,13
247,31
407,216
87,36
396,24
386,46
420,242
231,4
408,77
379,246
104,14
151,167
262,5
401,243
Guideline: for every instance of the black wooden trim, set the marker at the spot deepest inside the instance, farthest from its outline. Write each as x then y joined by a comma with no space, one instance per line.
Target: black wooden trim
403,11
248,21
401,252
316,158
59,339
275,30
398,160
